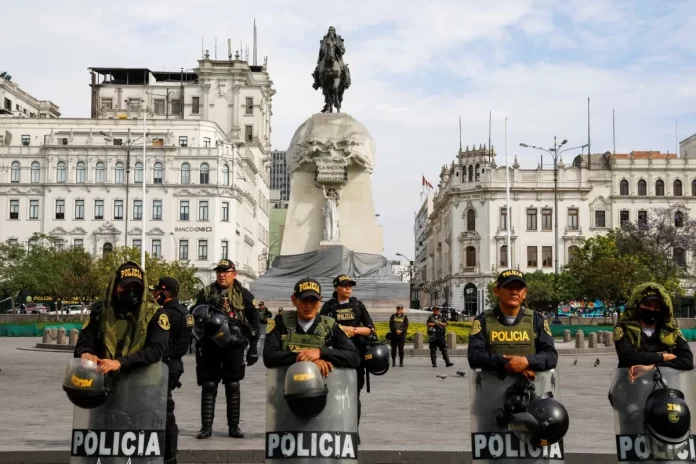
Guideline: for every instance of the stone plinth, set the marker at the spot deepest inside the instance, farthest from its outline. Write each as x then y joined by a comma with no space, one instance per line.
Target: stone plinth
609,339
579,339
566,336
593,340
418,341
451,341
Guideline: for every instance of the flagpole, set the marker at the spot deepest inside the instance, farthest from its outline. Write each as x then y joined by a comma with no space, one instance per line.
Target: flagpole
507,193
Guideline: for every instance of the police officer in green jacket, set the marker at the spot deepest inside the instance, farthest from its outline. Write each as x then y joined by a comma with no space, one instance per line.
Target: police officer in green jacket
304,335
510,338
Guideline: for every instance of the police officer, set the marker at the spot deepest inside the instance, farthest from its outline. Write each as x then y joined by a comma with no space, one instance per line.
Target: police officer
265,315
127,329
436,336
304,335
353,318
647,334
398,326
227,364
510,338
166,294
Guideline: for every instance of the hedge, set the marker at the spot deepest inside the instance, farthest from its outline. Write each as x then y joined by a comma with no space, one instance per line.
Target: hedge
460,328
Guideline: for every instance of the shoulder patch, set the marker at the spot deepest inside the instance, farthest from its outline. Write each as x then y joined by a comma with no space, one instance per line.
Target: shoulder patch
163,322
547,329
189,321
618,334
254,303
475,327
270,326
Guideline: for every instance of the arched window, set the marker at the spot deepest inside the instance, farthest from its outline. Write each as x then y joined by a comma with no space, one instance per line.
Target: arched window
572,251
678,219
503,256
470,256
659,188
225,175
107,248
204,174
138,173
677,188
471,173
81,173
101,172
642,188
185,174
693,188
680,256
471,220
158,173
35,172
623,188
15,172
61,172
119,173
477,172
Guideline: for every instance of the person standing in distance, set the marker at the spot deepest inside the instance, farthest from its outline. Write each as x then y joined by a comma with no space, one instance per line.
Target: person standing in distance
265,315
127,329
213,363
166,294
398,327
436,336
304,335
509,338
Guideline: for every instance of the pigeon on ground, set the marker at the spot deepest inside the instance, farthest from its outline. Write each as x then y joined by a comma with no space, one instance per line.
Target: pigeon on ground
461,373
596,363
575,363
441,376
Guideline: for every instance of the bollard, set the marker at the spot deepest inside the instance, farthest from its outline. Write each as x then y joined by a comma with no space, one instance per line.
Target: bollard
609,339
566,336
418,341
451,341
74,335
579,339
46,336
593,340
62,338
600,337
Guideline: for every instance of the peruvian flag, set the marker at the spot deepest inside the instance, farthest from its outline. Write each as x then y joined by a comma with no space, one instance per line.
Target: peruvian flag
426,184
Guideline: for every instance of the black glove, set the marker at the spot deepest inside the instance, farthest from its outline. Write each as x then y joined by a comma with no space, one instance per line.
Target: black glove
252,355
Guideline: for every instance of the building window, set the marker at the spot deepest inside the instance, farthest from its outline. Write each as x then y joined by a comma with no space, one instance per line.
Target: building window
159,107
476,171
60,209
107,103
573,223
137,243
470,256
678,219
471,173
107,248
119,176
503,256
117,142
623,188
202,250
203,211
206,141
98,209
600,219
225,174
643,219
546,219
157,248
15,172
471,220
225,248
204,175
573,250
138,173
503,219
100,172
61,172
78,243
546,256
195,106
25,140
176,106
58,244
35,172
14,209
118,209
158,173
185,174
532,256
183,249
225,211
624,218
249,133
79,209
184,210
249,107
693,188
80,173
677,187
138,209
659,188
642,188
12,242
531,219
679,256
33,209
183,141
156,210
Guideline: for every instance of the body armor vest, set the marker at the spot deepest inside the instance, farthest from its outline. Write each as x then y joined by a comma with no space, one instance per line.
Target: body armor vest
295,342
235,314
515,340
399,322
122,327
345,313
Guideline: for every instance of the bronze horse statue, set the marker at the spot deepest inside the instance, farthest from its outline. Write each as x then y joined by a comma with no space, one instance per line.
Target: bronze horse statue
331,76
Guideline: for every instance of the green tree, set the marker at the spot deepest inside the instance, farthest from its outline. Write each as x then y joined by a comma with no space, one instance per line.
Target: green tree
542,291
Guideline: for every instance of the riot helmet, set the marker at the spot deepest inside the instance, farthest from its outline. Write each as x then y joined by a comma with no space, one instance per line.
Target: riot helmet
667,421
544,422
85,384
199,313
376,359
305,390
517,397
217,329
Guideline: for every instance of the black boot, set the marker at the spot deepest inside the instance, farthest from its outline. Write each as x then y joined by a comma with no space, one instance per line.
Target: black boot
208,395
433,357
401,362
393,362
445,356
234,399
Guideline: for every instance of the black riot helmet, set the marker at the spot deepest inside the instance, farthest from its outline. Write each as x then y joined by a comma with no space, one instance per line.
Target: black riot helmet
667,421
85,384
544,422
517,397
200,314
376,359
305,390
217,329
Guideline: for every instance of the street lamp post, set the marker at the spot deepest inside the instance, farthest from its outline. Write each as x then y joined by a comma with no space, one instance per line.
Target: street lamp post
410,278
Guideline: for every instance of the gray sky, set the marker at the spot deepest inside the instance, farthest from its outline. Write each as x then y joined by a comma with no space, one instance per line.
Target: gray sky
416,67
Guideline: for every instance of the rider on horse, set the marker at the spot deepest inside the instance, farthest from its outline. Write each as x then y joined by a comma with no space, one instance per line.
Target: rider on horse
339,50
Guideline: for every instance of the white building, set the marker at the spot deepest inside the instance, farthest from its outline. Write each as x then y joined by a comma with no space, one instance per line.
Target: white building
17,103
420,252
206,169
466,234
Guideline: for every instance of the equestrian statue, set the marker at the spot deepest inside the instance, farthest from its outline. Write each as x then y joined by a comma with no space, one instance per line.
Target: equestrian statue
331,74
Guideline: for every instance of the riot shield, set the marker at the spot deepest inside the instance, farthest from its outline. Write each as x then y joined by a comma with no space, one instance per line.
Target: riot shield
129,426
492,443
330,437
628,401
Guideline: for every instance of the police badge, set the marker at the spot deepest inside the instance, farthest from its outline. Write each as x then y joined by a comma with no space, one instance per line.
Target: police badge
475,327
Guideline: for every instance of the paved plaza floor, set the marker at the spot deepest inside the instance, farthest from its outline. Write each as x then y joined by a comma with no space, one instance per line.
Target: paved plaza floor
409,408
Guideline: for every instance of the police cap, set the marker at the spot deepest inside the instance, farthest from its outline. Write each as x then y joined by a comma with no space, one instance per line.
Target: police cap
508,276
307,288
343,281
168,284
651,294
129,273
225,265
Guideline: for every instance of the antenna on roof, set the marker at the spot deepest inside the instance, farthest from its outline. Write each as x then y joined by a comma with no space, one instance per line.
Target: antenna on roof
255,64
229,49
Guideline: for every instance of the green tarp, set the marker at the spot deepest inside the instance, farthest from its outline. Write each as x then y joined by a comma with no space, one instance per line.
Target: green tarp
34,330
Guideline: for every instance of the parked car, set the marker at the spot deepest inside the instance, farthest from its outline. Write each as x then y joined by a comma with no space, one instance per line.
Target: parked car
36,308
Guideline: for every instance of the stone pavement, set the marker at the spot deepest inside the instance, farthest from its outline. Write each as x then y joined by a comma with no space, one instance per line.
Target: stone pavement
408,409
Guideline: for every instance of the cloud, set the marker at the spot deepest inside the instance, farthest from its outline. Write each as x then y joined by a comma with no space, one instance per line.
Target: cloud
417,67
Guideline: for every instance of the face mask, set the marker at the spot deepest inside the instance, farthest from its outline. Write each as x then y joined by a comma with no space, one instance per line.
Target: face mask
648,317
129,300
161,298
